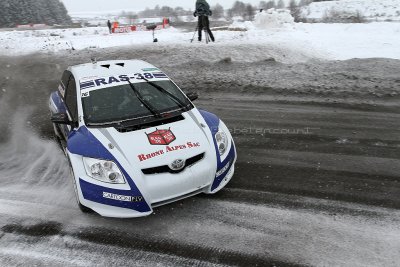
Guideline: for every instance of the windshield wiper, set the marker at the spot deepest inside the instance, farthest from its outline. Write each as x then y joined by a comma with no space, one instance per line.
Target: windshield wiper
117,122
166,92
144,102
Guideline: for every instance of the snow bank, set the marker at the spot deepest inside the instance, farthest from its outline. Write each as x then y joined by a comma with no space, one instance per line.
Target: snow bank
270,19
370,9
273,18
24,42
246,25
354,40
296,43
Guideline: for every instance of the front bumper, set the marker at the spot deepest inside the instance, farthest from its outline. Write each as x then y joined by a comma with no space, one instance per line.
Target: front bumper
113,211
120,204
127,201
224,181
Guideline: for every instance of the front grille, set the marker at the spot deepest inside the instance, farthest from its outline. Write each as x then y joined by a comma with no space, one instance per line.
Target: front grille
166,169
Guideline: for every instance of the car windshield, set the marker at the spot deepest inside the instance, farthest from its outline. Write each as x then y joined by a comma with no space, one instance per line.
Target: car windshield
132,101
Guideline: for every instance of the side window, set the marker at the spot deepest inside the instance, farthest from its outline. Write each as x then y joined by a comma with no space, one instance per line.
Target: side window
64,82
70,99
65,78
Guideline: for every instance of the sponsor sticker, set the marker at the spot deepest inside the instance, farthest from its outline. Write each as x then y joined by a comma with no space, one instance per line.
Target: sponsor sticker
161,137
98,82
122,197
150,69
224,169
85,94
87,84
168,149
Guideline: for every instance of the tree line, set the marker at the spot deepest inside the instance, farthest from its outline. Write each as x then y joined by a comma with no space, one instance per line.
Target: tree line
239,8
18,12
50,12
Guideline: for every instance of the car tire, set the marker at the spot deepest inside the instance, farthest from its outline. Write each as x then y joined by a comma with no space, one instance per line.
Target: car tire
83,208
58,137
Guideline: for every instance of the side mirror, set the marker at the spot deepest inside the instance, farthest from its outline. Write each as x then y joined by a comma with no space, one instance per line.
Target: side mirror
60,118
193,96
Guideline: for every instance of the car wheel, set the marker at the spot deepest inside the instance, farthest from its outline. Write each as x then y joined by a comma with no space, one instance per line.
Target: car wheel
58,137
81,207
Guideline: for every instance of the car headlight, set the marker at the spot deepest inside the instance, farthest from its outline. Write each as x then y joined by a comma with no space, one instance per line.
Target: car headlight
222,141
103,170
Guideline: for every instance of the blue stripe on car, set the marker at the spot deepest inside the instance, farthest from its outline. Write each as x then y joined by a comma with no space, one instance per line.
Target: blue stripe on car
213,123
160,76
83,142
55,96
61,108
229,160
95,193
86,85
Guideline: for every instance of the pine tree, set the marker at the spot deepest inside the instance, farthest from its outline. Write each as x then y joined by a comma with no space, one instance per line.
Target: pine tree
25,14
65,18
3,15
49,12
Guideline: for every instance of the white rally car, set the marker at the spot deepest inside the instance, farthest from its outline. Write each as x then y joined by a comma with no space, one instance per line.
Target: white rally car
135,141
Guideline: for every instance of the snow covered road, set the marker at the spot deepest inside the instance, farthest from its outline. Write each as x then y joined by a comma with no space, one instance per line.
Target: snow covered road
205,231
326,197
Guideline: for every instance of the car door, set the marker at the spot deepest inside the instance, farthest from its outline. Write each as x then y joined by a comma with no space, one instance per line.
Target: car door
70,100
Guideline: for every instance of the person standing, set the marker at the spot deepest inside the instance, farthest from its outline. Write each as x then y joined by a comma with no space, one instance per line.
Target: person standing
203,11
109,26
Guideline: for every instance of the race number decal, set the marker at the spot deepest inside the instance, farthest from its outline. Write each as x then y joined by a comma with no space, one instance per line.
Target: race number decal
142,76
86,94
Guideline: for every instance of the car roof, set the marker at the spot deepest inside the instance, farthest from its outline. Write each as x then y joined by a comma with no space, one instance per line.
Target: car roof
109,68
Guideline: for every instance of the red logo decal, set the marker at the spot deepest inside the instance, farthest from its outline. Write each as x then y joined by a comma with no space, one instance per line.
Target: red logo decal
161,137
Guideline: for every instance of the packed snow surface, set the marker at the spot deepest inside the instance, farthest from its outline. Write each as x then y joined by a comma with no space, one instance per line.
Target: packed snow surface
297,42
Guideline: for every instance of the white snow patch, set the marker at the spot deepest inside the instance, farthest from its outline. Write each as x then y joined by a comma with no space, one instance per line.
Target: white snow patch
347,41
372,9
273,18
246,25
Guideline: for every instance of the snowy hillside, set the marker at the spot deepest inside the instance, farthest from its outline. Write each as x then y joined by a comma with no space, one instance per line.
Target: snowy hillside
382,10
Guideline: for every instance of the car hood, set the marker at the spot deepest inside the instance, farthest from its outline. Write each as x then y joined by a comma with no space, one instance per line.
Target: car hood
157,146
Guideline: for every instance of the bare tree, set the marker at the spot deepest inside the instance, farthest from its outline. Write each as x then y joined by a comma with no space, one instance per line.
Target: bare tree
281,4
250,12
166,11
131,16
218,11
239,9
267,5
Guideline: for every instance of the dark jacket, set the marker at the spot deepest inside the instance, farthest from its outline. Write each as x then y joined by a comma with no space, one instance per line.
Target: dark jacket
202,8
